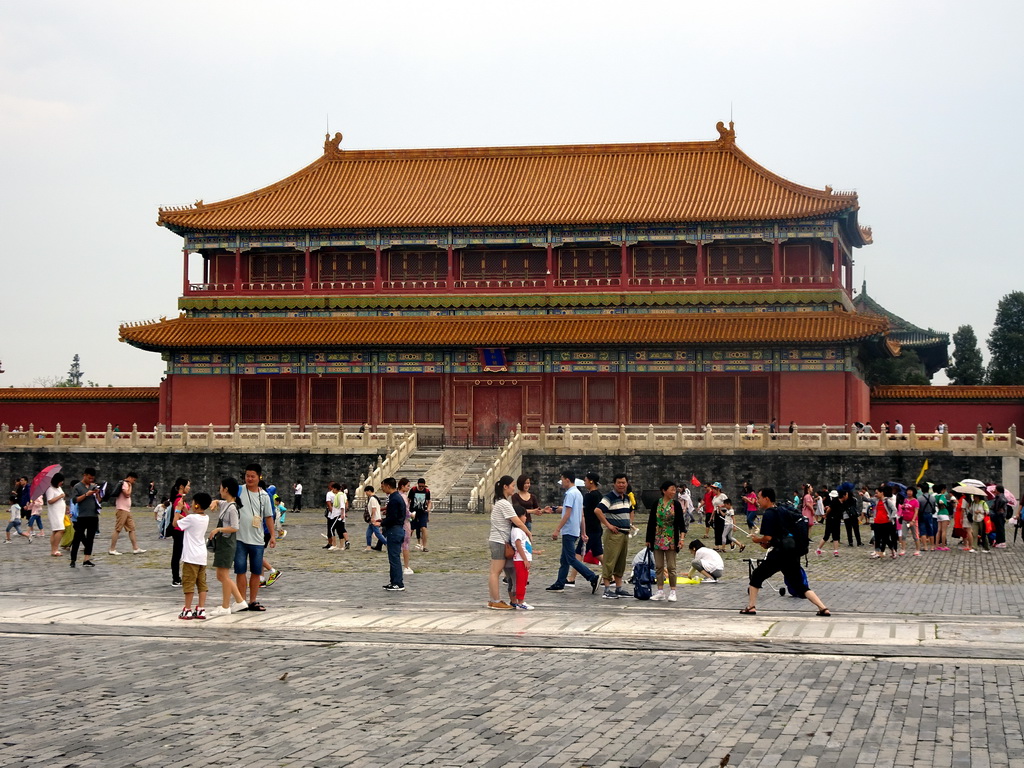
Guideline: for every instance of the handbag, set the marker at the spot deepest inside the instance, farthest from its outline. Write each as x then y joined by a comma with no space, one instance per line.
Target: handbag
510,551
211,543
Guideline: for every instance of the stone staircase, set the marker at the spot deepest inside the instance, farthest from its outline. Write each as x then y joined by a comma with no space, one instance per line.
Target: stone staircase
451,474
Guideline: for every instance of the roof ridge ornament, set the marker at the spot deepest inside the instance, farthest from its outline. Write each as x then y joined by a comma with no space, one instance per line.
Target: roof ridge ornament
726,135
332,146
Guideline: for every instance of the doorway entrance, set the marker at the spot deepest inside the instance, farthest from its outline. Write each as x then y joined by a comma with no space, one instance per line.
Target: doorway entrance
496,411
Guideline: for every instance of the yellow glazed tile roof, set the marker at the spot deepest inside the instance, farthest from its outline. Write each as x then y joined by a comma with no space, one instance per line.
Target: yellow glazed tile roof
78,394
927,392
520,186
557,330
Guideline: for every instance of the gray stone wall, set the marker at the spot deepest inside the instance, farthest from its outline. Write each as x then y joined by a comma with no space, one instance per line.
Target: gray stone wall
783,471
204,469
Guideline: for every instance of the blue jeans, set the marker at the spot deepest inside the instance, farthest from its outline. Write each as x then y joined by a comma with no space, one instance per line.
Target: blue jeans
394,536
374,531
569,560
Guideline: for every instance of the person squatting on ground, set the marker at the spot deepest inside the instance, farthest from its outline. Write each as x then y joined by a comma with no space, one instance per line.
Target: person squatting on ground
666,527
503,518
779,558
706,562
193,555
15,524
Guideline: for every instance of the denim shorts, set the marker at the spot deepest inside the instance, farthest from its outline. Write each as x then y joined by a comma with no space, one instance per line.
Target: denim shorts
248,554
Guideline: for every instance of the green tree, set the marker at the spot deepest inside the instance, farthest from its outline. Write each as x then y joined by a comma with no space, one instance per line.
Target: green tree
905,369
967,366
1006,342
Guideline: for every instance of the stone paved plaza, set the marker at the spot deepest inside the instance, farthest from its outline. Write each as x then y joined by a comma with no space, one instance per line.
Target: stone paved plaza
919,666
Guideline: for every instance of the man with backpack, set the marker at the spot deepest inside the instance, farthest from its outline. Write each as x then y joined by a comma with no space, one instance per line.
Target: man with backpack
784,534
122,495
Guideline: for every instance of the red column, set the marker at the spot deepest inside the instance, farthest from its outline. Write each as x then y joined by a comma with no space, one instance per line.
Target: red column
549,282
700,264
377,275
849,275
450,280
184,272
624,267
238,270
307,276
776,263
837,263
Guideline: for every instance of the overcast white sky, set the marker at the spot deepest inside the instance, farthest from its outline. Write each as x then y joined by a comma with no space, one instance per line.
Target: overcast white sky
110,109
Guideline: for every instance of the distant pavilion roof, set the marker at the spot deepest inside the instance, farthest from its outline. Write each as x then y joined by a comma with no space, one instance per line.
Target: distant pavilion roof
184,333
520,186
932,347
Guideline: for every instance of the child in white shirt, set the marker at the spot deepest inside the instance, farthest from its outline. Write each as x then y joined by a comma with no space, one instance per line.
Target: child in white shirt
521,561
193,555
15,524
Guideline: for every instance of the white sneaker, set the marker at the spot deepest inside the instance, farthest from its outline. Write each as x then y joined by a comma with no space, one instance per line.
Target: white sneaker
218,612
138,551
407,571
672,596
708,580
659,595
236,607
113,552
333,549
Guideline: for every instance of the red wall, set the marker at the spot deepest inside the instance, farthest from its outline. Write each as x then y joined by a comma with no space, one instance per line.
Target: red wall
812,399
959,416
71,415
197,400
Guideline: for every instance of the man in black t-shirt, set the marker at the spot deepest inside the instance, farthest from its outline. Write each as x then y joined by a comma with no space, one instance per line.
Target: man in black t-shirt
419,505
773,531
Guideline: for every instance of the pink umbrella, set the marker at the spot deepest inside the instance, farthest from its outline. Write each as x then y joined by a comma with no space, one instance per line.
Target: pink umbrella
1009,496
42,481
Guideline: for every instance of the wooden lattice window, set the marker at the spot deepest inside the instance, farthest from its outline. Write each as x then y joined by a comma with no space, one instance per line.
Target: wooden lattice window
337,266
569,399
644,401
754,399
721,399
601,400
427,401
277,267
678,399
664,261
739,260
284,403
252,397
323,401
418,265
578,263
396,400
511,264
355,401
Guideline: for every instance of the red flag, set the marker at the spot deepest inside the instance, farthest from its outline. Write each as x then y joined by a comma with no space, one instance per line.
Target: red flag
694,481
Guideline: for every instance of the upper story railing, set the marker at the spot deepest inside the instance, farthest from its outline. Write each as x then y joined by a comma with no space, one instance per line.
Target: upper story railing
187,439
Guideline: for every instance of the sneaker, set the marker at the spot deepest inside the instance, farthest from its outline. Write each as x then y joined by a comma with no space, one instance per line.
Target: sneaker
72,563
836,553
216,613
524,606
139,551
273,576
407,571
283,534
114,552
817,551
875,555
199,614
88,564
623,592
659,595
176,583
326,546
610,594
708,580
419,547
917,554
185,615
593,585
238,607
348,544
672,596
1001,546
394,588
332,549
556,588
500,605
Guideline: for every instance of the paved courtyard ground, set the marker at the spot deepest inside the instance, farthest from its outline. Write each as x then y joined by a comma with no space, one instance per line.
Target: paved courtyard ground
919,666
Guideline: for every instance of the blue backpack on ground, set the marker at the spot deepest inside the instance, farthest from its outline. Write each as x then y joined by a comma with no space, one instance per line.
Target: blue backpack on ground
643,577
797,539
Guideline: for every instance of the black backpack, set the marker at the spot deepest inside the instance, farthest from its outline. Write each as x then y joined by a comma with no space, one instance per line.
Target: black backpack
797,539
643,577
113,492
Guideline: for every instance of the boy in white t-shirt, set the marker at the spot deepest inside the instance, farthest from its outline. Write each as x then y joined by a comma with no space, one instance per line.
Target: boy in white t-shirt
15,524
193,555
521,561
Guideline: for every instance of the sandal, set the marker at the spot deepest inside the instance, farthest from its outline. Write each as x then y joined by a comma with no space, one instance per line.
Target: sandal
823,612
749,611
256,607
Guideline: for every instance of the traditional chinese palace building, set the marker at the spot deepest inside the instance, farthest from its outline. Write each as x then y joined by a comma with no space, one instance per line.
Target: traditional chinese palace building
473,289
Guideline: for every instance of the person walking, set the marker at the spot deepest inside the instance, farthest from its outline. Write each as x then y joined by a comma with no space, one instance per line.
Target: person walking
569,529
779,558
124,520
373,513
86,496
421,504
833,521
666,528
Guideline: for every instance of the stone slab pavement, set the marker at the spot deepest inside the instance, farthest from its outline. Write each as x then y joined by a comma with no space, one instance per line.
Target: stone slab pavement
910,671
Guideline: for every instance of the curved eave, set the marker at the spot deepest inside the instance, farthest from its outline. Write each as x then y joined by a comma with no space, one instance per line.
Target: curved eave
927,393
